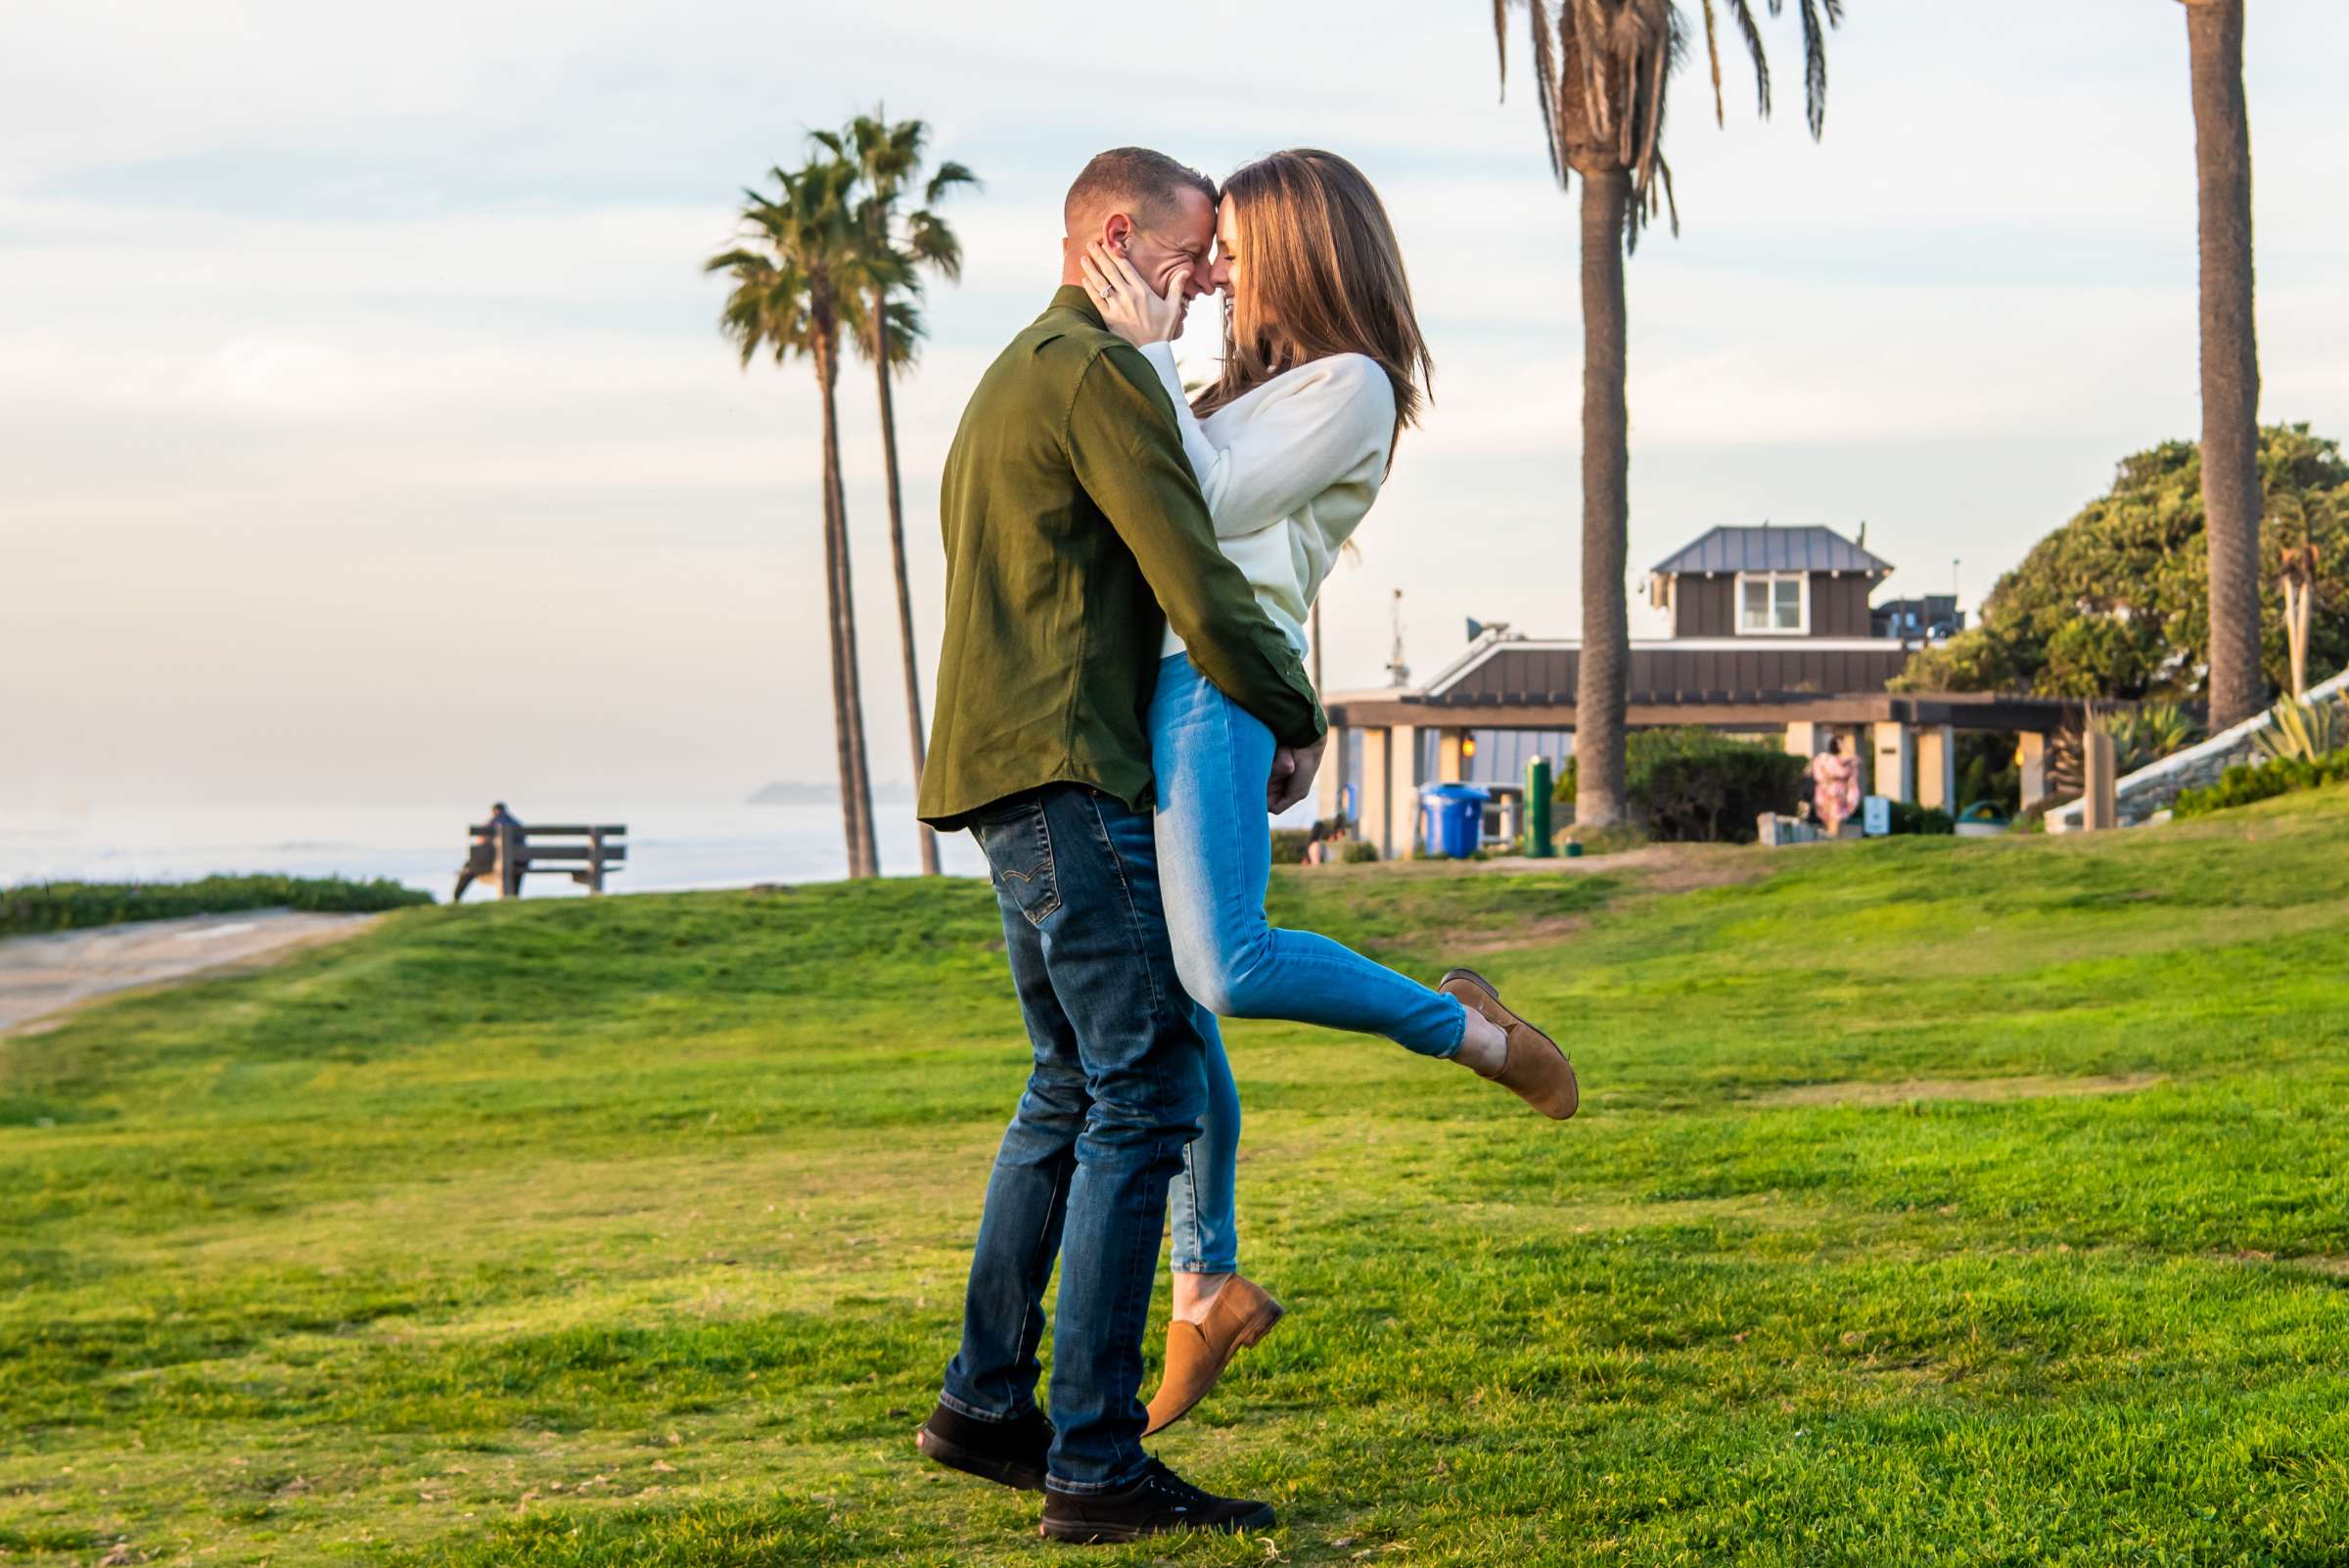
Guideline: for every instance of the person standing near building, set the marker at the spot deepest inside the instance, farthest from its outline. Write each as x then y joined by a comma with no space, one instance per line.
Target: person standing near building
1834,787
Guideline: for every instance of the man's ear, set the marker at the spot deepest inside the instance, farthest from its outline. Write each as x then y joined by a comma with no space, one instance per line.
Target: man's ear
1117,231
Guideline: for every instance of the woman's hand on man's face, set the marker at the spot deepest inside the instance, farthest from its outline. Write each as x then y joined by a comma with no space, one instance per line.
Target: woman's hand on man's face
1128,305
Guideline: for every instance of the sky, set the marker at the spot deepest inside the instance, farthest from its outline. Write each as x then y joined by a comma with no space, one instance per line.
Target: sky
366,432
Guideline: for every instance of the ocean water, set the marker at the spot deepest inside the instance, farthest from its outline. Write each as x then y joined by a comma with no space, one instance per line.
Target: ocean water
670,847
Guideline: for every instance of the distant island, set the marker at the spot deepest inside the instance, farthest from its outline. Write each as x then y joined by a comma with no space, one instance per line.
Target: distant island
791,792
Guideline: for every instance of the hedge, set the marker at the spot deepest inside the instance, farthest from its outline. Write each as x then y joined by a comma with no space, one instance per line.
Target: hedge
65,906
1691,784
2247,783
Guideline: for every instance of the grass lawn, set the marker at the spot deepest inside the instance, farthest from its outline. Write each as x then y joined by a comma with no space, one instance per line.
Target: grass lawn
632,1231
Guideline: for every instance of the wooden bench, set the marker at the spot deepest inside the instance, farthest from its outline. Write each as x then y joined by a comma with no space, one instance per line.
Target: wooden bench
504,854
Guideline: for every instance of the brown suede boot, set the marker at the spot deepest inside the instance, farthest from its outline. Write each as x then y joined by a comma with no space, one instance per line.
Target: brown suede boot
1536,1069
1241,1314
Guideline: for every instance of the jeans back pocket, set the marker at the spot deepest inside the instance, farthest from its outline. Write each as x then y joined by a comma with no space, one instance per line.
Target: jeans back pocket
1018,844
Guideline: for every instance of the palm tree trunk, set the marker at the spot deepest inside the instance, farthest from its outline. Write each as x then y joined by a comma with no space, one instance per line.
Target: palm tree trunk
897,555
843,757
1606,650
866,862
856,779
852,679
2230,485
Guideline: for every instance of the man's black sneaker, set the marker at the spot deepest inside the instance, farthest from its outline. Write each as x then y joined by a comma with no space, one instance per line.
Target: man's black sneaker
1010,1453
1159,1502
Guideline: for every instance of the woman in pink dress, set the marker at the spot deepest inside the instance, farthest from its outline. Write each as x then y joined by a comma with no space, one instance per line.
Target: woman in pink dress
1835,786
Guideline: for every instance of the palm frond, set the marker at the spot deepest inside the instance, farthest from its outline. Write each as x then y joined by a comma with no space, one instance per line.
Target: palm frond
906,332
934,244
730,261
1713,56
1545,88
1751,31
948,177
1501,43
1815,67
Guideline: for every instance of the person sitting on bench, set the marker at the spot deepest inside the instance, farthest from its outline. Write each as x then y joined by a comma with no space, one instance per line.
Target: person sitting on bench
480,859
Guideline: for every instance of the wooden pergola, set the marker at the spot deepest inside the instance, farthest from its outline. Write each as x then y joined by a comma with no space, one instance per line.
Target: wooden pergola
1911,737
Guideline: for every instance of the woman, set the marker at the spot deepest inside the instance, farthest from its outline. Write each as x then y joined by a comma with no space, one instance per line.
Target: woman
1835,786
1322,366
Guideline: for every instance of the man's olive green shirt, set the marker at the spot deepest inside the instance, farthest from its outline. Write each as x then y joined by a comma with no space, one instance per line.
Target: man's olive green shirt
1075,536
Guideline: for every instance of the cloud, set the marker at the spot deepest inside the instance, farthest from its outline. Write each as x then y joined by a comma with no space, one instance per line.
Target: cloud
310,331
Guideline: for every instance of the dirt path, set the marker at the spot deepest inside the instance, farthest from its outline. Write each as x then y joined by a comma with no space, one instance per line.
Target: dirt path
44,975
1662,867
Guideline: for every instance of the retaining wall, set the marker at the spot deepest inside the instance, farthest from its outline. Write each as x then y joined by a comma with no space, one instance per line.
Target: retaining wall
2154,787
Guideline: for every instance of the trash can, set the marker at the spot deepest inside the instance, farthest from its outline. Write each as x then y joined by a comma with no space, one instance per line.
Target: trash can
1452,819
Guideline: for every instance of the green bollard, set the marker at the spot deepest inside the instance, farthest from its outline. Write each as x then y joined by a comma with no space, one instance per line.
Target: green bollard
1536,810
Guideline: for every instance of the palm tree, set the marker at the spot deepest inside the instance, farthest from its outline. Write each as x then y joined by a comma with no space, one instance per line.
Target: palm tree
1602,68
799,283
889,160
2231,480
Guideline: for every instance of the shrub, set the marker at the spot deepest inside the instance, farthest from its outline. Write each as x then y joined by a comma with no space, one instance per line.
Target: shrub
1987,770
1692,785
2147,733
2033,818
1605,840
1288,843
2248,783
1358,852
2301,731
1910,818
68,906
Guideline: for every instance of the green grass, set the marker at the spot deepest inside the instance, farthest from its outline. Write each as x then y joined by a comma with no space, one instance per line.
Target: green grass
35,906
632,1231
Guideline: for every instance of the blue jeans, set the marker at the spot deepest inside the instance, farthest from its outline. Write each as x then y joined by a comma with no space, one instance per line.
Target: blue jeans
1115,1093
1215,853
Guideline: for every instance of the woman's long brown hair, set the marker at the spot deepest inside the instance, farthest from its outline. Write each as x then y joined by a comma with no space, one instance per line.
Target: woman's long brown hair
1319,273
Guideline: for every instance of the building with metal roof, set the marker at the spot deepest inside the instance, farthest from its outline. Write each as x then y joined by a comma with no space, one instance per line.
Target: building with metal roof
1772,636
1768,548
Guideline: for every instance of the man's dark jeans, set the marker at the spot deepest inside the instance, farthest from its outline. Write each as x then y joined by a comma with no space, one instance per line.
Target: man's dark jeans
1116,1089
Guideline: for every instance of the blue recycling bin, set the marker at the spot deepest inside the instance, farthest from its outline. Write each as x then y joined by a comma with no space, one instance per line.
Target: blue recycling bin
1452,819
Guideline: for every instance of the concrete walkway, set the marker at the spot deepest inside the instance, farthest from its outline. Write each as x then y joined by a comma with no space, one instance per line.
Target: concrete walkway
48,973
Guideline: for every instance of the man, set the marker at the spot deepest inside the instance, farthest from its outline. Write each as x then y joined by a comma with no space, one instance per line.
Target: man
1074,534
481,857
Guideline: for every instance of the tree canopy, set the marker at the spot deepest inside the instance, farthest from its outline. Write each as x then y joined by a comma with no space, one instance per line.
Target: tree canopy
808,272
2116,602
1600,73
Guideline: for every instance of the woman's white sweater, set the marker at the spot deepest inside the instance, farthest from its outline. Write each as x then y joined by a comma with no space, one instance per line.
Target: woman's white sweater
1289,471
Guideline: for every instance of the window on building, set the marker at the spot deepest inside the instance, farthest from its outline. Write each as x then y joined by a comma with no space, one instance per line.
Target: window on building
1773,601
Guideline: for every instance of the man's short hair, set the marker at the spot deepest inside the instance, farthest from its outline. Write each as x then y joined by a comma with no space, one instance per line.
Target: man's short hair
1150,184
